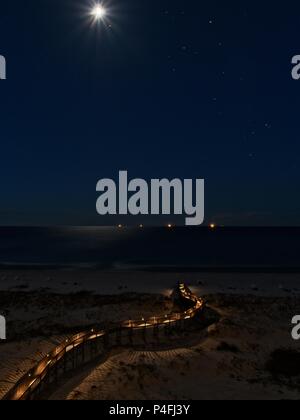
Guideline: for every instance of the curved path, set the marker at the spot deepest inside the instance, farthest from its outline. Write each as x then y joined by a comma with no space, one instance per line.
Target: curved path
88,345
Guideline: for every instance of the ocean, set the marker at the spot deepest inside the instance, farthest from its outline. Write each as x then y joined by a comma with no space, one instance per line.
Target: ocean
178,248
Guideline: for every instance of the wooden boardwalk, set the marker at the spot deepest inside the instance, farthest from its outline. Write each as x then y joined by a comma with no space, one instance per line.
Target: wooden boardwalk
88,345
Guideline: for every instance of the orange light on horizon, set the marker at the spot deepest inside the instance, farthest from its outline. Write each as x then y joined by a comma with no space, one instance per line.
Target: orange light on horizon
212,226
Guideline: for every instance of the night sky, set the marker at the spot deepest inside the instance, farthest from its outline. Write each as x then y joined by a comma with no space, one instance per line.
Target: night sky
163,88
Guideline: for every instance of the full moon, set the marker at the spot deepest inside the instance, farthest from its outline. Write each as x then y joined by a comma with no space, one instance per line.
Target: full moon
98,12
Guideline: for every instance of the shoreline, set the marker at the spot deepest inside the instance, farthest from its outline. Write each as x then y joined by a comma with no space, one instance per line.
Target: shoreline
268,269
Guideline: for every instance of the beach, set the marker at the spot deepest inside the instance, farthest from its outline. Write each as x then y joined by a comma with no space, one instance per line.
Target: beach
157,281
231,359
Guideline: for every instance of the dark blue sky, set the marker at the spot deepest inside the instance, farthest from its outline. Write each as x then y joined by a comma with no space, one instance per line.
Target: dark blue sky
170,89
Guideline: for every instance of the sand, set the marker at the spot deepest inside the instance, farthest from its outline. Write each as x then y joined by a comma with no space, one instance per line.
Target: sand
229,360
65,281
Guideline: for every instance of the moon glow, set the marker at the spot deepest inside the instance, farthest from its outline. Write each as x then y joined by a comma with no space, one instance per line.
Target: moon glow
98,12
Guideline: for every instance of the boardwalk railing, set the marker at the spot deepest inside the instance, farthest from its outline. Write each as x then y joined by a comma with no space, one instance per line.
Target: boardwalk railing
88,345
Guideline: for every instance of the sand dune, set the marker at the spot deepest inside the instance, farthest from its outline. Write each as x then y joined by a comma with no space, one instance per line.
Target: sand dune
231,360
